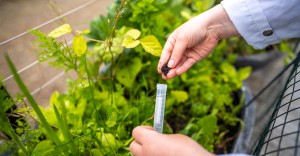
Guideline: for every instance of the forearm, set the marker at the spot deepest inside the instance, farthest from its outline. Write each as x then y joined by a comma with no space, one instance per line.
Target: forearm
219,23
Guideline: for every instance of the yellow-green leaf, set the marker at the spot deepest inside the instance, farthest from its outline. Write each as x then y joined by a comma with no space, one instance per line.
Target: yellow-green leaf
244,73
79,45
43,148
129,42
96,152
83,32
134,33
180,95
151,45
64,29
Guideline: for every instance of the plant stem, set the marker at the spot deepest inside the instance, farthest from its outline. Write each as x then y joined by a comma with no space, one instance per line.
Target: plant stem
94,40
18,141
93,98
51,134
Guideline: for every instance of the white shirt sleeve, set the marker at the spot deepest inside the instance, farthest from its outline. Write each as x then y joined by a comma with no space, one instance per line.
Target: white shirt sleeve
264,22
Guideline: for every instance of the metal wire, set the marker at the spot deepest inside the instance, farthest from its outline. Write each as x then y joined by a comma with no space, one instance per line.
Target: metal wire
38,27
50,21
22,70
48,83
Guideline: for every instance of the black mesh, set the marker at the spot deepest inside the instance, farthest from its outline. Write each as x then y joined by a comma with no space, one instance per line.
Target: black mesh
277,126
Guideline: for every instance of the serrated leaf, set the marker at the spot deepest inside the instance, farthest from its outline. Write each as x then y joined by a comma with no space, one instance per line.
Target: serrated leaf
64,29
79,45
129,42
151,45
134,33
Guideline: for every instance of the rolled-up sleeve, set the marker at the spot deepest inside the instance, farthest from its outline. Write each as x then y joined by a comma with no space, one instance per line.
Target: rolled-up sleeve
264,22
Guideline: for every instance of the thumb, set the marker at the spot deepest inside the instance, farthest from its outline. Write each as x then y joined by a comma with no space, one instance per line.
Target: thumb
143,133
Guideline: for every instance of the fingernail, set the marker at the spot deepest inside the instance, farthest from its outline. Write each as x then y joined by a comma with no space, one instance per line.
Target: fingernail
171,64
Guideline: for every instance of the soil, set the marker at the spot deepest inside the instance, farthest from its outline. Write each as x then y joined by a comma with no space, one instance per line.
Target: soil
165,69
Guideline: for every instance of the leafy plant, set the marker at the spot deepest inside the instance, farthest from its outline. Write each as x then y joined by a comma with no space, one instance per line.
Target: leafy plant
115,87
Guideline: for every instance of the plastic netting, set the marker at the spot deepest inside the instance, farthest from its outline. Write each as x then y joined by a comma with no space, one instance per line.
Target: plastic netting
277,128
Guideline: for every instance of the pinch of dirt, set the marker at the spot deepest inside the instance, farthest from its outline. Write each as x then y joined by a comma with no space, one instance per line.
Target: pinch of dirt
165,69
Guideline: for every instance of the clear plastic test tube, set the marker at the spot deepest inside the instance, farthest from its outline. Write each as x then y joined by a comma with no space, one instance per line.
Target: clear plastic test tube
160,102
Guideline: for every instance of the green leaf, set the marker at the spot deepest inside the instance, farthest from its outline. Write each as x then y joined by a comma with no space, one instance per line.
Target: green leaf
128,73
179,95
44,148
244,73
6,101
64,29
129,42
79,45
151,45
134,33
96,152
62,125
5,124
54,98
228,69
109,140
7,128
34,105
203,5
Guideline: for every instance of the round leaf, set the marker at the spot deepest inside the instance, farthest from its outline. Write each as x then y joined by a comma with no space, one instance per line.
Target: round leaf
151,45
128,42
134,33
79,45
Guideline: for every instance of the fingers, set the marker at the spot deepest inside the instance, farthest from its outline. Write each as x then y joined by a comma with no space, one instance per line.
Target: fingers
166,53
135,148
179,48
141,135
185,63
172,53
185,66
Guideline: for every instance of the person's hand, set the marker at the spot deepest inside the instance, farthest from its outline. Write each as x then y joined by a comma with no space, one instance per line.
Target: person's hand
194,40
151,143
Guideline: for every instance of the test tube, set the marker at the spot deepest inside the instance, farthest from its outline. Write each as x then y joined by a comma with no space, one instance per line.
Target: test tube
160,102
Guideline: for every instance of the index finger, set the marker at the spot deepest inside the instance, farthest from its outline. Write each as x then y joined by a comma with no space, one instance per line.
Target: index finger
180,45
166,53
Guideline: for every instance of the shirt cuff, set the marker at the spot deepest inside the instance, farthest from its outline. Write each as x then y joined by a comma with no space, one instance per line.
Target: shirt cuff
250,21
